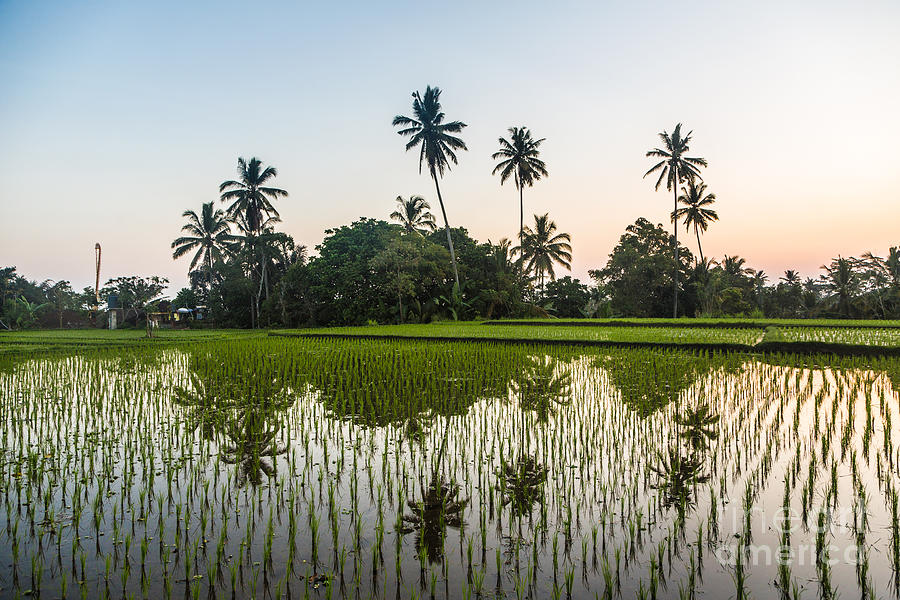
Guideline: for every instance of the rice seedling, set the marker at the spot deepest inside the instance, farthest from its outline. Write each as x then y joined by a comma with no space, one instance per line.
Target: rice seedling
231,467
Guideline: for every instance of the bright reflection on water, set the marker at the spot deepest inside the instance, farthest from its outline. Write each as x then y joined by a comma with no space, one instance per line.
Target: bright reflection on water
287,468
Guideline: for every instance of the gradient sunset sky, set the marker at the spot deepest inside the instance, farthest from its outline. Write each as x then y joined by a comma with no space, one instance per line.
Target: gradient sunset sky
116,117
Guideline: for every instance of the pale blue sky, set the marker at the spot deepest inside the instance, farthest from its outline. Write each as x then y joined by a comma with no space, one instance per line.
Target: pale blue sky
116,117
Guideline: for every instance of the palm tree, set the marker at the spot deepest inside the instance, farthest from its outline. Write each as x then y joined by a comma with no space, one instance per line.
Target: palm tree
436,145
542,247
759,286
842,280
734,266
208,233
519,159
695,211
674,167
791,278
250,196
251,204
892,264
414,214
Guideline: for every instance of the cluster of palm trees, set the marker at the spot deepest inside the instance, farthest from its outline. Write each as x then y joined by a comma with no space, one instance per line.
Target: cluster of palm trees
541,247
247,224
676,168
869,284
253,241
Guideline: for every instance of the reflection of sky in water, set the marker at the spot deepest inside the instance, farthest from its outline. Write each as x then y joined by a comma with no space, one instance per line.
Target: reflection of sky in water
574,455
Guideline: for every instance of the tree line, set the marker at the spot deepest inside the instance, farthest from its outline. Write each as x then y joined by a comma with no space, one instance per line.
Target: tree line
246,273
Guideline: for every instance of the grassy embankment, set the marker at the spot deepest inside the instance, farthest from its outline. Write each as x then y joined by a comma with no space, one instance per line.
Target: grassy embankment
18,342
805,337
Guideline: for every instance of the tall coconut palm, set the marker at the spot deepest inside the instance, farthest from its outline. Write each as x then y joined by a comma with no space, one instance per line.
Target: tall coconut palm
251,202
249,195
414,214
695,212
519,159
791,278
208,233
436,145
842,280
759,286
674,168
887,268
542,247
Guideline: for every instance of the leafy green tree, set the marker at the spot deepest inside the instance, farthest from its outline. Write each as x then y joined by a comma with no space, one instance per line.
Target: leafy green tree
519,159
543,248
674,167
696,212
136,294
7,282
638,275
27,315
208,234
415,215
232,301
437,146
568,297
733,303
61,297
411,265
186,298
345,287
487,277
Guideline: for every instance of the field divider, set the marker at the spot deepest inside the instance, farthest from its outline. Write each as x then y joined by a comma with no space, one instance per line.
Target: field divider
519,341
696,324
761,347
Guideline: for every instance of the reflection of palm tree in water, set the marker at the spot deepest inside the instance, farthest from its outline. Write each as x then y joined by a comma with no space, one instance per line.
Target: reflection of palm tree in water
242,412
252,445
440,505
699,427
205,409
540,389
439,508
677,475
679,470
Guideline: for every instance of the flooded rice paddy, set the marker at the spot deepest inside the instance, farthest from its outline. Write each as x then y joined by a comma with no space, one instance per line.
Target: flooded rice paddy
290,468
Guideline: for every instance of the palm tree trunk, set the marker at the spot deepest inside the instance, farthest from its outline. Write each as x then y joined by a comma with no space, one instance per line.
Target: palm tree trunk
440,454
208,276
699,247
399,297
259,295
447,228
521,227
675,277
